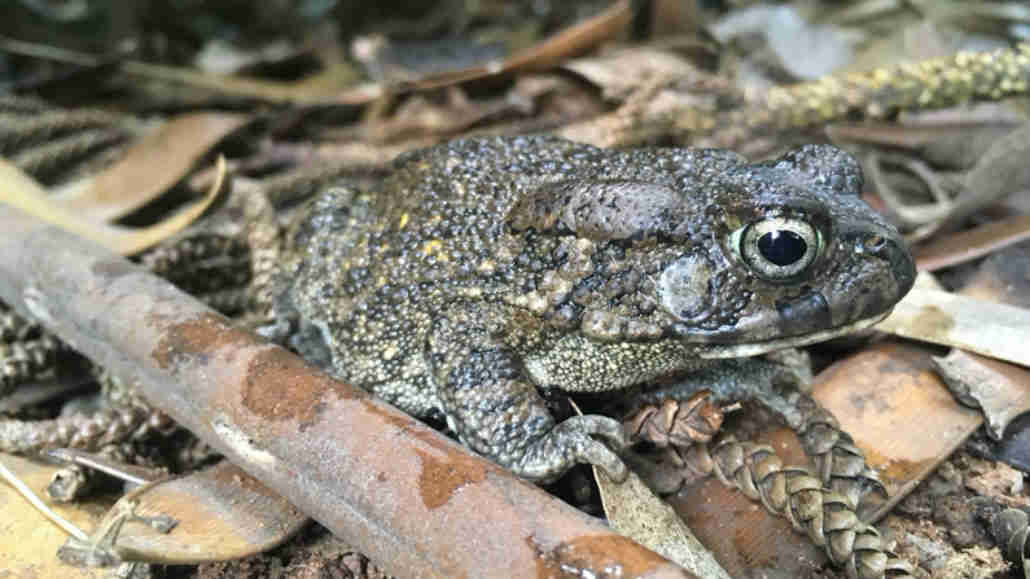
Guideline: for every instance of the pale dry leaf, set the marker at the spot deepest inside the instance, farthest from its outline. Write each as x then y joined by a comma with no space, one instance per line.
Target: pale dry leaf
995,330
22,192
621,72
1001,390
636,512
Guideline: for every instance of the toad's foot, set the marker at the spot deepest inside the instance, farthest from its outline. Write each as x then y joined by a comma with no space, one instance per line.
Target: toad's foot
498,413
573,442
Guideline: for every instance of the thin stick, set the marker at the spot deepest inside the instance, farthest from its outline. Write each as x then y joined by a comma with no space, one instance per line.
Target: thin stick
35,501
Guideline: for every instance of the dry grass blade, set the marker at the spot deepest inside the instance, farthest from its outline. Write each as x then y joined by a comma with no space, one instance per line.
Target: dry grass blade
21,191
150,167
38,503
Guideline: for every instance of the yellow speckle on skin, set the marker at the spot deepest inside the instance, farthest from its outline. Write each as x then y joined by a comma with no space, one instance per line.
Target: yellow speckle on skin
487,266
404,221
433,247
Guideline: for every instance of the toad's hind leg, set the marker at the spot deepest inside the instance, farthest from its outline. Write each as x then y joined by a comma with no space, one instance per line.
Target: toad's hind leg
497,412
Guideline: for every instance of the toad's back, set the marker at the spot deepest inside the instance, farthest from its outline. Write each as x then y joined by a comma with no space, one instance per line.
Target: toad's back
370,269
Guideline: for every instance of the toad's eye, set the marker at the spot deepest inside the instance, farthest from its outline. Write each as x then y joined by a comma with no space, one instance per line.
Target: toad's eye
778,248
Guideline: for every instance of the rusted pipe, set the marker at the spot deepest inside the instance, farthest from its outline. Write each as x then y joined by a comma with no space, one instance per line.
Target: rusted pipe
417,503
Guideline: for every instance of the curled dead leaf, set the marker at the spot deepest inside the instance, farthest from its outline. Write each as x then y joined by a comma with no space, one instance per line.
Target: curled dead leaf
22,192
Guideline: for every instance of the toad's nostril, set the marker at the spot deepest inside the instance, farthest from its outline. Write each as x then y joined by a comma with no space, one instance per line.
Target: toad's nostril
875,243
901,263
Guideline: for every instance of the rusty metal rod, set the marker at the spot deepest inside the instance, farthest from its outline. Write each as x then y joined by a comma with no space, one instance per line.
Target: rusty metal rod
417,503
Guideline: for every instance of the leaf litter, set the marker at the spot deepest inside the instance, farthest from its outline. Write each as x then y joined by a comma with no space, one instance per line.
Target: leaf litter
950,192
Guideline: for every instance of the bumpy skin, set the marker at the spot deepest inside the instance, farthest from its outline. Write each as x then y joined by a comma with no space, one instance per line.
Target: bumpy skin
482,270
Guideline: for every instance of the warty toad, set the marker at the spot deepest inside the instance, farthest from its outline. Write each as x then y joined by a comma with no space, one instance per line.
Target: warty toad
480,271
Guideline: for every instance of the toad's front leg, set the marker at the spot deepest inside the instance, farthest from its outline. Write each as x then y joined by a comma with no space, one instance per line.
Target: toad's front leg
495,410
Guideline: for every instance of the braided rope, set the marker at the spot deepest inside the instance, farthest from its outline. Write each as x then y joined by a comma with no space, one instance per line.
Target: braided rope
84,432
14,328
26,360
838,462
824,515
167,259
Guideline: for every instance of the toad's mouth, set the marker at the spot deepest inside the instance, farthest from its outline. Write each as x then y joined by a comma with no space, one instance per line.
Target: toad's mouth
745,350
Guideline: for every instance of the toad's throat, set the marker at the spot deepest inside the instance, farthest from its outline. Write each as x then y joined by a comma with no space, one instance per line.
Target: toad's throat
744,350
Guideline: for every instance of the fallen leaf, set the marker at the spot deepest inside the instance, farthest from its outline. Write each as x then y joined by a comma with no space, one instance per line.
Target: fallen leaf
1000,390
636,512
996,330
150,167
621,72
572,41
220,513
22,192
963,246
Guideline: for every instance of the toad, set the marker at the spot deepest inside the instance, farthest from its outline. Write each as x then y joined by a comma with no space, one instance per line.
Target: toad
481,272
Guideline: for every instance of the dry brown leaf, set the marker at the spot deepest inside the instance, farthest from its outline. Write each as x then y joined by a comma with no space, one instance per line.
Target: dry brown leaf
220,513
151,166
572,41
621,72
22,192
956,248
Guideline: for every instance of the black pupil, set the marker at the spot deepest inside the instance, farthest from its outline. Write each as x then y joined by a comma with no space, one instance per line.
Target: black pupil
782,247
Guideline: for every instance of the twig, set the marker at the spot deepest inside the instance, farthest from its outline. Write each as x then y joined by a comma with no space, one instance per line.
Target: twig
49,513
